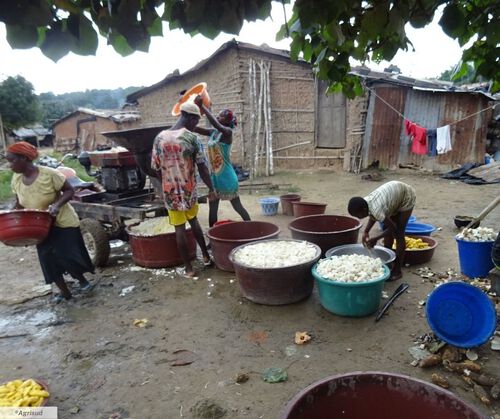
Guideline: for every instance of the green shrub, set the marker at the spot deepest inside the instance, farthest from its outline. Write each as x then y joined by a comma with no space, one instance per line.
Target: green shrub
5,178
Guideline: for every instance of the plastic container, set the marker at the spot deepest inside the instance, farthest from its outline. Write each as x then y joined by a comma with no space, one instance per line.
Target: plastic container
462,221
475,258
386,255
269,205
158,251
224,238
350,299
419,229
418,256
198,89
24,227
377,395
326,231
287,202
461,314
302,208
275,286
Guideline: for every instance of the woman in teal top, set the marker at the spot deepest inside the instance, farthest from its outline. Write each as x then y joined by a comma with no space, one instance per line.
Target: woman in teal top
223,175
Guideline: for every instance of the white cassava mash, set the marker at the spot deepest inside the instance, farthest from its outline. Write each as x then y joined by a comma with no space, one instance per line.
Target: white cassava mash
480,234
275,254
153,227
350,268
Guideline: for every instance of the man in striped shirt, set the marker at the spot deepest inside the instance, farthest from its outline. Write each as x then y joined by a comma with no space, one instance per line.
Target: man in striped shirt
392,203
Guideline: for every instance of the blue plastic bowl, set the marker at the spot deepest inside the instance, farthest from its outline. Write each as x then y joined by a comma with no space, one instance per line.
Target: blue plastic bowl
419,229
461,314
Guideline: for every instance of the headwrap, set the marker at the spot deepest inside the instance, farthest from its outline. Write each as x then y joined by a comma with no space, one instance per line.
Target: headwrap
230,116
24,149
191,108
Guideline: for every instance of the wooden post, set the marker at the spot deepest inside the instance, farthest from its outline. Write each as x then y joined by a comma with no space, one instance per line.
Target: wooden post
2,135
269,123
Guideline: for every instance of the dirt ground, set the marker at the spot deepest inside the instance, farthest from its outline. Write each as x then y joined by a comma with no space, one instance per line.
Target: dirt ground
97,363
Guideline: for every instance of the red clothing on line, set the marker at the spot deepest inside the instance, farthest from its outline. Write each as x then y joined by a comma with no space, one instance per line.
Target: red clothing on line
419,134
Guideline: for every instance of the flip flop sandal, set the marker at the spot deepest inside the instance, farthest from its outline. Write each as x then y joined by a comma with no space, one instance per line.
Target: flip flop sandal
87,288
58,298
208,264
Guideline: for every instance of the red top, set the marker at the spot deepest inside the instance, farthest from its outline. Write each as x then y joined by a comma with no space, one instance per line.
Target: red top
419,134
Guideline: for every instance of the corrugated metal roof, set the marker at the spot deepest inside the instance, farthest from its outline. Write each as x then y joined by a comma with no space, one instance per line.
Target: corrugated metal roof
116,115
372,76
31,132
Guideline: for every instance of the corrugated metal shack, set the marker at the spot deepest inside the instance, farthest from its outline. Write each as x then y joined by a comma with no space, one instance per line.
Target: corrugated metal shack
429,104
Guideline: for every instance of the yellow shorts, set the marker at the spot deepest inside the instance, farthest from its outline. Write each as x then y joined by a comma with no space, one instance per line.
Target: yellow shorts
178,218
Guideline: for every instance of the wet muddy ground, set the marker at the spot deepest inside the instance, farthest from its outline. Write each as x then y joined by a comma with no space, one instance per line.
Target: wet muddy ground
201,333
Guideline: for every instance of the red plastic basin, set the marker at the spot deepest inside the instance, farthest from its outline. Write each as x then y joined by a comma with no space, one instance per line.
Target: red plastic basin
225,237
24,227
377,395
275,286
287,202
303,208
326,231
158,251
418,256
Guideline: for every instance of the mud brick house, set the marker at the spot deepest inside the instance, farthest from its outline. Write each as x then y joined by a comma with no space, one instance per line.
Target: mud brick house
310,129
81,129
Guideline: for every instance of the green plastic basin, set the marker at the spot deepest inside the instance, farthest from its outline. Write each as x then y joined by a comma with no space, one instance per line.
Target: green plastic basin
350,299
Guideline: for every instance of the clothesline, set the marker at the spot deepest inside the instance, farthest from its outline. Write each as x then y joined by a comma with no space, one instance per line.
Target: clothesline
451,123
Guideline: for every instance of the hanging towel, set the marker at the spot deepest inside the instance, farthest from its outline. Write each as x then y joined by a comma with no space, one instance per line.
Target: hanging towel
443,140
431,142
419,137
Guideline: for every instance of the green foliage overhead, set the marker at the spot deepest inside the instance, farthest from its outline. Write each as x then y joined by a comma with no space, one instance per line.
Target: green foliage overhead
19,104
324,32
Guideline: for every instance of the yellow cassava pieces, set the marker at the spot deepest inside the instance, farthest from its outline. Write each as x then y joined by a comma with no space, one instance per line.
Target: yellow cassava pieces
19,393
413,244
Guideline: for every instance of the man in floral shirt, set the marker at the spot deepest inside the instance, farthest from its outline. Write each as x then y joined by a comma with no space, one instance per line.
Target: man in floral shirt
176,154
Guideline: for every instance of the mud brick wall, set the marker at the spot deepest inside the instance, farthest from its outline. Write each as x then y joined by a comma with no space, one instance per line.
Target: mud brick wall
293,98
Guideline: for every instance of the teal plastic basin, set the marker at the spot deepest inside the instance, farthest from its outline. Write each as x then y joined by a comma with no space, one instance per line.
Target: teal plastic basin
350,299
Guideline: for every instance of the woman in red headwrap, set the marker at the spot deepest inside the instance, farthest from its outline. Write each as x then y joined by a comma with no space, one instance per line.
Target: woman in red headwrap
43,188
224,177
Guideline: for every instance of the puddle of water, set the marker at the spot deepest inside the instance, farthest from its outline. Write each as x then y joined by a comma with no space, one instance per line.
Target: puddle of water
26,319
77,314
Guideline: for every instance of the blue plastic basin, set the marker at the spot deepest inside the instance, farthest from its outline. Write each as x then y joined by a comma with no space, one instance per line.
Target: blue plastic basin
419,229
461,314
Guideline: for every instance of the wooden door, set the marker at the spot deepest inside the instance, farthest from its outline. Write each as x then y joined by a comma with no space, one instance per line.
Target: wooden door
330,118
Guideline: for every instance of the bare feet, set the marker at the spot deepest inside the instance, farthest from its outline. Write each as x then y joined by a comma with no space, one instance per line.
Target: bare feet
183,273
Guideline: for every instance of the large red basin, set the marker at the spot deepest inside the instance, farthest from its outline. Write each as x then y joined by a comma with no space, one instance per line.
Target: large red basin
326,231
376,395
225,237
275,286
24,227
159,251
